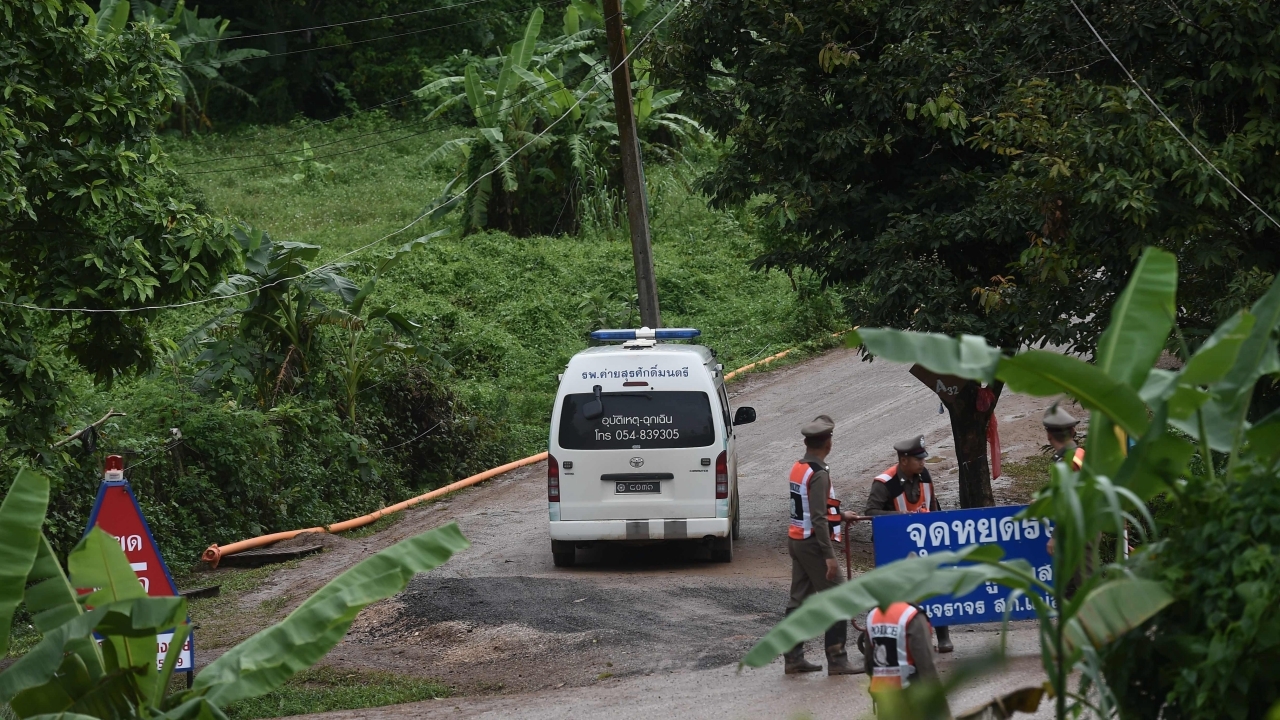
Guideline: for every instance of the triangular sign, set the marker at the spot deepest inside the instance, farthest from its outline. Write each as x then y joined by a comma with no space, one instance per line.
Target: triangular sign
116,511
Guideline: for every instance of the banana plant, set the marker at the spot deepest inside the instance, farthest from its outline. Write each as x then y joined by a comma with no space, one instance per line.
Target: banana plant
70,675
268,341
1207,399
552,98
379,333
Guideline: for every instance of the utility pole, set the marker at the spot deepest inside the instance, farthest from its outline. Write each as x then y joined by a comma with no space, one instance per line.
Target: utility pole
632,169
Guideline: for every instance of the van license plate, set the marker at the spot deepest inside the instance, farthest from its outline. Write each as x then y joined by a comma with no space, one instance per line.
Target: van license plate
627,488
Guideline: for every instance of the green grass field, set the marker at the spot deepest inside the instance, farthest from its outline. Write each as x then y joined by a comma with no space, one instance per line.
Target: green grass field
509,311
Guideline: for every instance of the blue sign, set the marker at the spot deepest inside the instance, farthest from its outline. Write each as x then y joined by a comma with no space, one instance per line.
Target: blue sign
902,536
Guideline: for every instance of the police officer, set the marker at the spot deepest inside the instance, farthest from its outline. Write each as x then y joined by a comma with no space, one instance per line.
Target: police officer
1061,429
907,487
814,513
898,650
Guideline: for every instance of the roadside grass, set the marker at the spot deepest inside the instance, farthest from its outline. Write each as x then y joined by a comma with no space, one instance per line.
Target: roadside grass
221,621
375,527
1026,477
508,312
324,688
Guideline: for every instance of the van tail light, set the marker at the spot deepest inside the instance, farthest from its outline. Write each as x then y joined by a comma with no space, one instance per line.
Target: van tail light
722,477
553,479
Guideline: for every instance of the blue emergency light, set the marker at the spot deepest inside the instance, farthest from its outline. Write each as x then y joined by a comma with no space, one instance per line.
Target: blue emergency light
645,333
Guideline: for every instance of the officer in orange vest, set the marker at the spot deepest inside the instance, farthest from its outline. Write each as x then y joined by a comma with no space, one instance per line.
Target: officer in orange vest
815,520
899,651
1061,429
907,487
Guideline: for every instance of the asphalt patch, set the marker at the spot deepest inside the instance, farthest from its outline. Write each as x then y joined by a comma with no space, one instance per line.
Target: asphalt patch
710,625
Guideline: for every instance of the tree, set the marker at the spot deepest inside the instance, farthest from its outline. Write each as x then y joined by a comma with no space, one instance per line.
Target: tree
1207,400
93,218
986,168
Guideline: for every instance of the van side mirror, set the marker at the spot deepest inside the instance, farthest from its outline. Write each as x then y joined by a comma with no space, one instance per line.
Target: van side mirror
744,415
594,408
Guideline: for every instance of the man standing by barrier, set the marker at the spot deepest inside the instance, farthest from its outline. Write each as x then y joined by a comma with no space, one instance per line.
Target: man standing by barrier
907,487
814,515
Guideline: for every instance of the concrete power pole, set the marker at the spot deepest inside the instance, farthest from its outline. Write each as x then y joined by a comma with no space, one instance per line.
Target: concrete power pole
632,169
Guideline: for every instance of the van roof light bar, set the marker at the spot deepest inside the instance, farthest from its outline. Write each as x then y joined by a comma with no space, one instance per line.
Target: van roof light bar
645,333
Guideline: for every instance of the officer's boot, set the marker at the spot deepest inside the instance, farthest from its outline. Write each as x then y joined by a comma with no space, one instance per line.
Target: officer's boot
944,640
838,661
794,662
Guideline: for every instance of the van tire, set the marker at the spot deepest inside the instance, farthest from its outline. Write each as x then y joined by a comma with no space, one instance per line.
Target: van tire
563,554
737,516
722,549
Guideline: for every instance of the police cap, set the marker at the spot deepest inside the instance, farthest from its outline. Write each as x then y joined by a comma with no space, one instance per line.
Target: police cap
821,425
1055,418
913,447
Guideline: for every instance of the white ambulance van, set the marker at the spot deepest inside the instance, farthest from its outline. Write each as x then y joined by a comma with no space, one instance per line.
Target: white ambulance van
642,446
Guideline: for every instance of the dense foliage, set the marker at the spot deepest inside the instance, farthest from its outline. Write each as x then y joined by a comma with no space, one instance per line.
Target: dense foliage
330,57
1221,638
543,156
975,167
92,217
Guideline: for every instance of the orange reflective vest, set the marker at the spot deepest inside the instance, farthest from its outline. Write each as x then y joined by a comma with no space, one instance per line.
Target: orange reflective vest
899,494
891,663
1077,459
801,517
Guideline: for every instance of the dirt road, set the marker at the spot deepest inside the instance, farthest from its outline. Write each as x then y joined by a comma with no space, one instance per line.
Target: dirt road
518,637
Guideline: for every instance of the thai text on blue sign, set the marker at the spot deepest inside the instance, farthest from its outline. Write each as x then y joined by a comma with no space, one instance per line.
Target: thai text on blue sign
902,536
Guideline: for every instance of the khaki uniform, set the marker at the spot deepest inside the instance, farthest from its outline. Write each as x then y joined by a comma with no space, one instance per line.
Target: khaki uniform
809,556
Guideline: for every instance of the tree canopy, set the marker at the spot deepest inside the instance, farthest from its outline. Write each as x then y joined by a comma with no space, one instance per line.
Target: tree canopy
93,218
986,167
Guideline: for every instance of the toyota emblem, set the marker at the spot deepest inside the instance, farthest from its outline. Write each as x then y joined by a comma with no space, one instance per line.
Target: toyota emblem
637,462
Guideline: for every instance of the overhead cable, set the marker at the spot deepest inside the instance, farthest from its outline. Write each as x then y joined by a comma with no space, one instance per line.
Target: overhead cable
334,25
1169,120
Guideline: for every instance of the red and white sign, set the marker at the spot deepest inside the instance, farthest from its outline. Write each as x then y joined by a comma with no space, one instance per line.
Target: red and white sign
116,511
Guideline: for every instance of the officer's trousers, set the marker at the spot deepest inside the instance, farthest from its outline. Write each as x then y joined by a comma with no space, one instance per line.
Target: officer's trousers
809,576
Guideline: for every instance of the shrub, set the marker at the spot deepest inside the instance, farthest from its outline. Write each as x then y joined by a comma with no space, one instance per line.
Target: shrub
1221,638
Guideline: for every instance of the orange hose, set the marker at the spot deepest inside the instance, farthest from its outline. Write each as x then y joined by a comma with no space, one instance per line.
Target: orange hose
734,373
214,553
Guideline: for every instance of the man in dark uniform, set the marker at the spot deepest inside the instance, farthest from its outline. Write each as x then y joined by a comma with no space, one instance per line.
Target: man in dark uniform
907,487
813,559
1061,430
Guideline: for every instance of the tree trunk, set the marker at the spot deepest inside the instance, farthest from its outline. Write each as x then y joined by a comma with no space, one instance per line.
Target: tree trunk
969,431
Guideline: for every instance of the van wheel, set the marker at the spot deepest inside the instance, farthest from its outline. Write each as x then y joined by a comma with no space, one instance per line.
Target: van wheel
722,549
737,516
563,553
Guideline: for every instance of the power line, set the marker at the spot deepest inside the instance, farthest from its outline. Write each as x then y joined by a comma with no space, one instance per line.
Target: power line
518,103
1168,120
333,25
404,126
384,37
380,240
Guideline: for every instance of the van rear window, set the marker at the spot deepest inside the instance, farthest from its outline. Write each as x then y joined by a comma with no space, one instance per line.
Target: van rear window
676,419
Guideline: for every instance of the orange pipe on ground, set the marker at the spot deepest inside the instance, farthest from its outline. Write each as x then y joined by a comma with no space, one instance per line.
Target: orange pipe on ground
734,373
214,553
465,482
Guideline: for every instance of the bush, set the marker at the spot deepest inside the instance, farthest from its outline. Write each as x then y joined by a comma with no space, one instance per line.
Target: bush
1221,638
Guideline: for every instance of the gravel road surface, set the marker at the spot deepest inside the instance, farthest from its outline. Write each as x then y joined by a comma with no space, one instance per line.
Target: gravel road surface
656,630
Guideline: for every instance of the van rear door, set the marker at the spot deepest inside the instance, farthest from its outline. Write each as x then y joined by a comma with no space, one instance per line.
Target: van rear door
648,455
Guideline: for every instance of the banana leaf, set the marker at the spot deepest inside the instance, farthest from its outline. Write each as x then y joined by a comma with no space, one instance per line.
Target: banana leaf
1141,320
267,660
21,516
